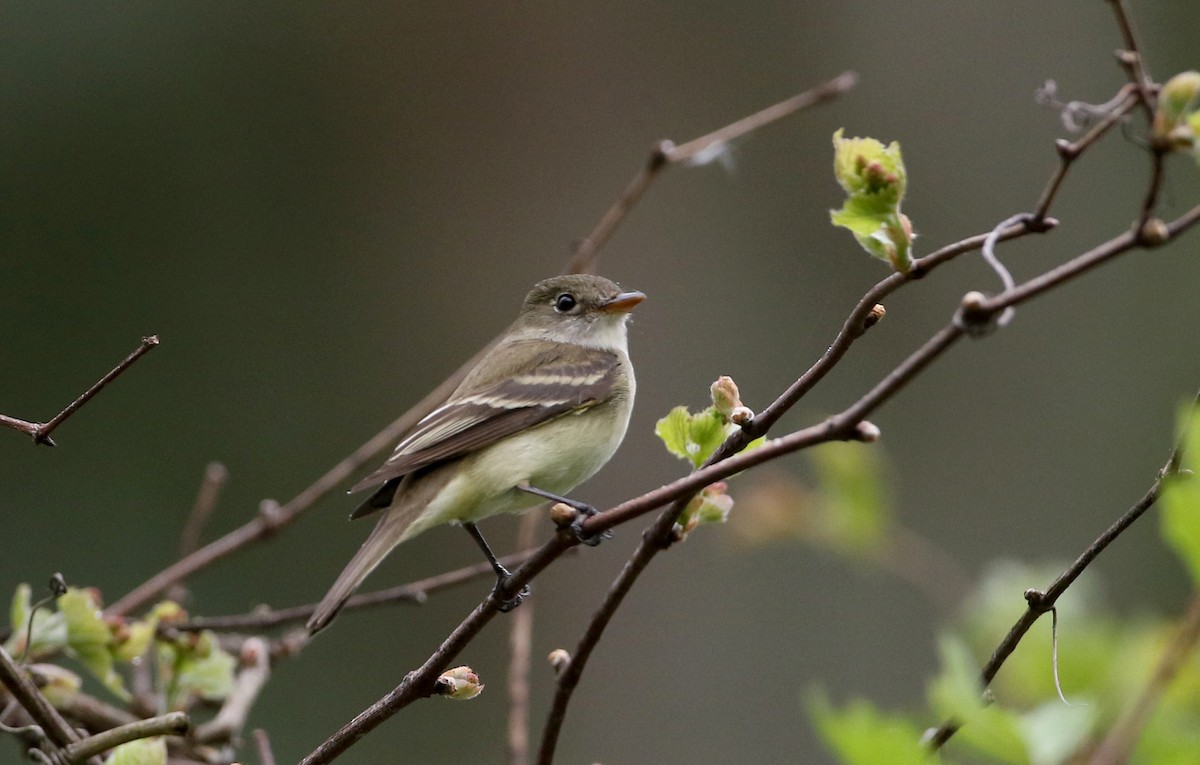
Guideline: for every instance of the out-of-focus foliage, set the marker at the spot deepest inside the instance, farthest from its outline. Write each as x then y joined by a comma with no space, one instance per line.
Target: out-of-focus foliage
1104,662
189,666
847,510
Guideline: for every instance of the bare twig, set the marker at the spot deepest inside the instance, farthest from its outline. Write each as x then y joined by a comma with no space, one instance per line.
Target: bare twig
266,524
844,426
262,743
415,592
256,669
1119,743
26,693
1040,602
211,484
41,431
667,153
520,646
583,259
171,724
1069,151
1133,60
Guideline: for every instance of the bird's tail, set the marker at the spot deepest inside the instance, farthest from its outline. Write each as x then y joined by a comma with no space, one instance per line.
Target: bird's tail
388,533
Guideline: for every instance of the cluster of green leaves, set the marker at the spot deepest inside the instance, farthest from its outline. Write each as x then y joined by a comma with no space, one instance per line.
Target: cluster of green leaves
874,180
1177,120
694,438
189,666
1104,662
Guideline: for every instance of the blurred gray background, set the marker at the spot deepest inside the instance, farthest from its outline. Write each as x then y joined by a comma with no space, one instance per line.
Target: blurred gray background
322,209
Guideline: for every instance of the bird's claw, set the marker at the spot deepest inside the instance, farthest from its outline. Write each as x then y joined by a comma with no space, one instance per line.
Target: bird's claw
506,604
591,540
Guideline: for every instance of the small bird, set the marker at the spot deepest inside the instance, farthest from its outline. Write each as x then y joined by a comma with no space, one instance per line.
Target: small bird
539,414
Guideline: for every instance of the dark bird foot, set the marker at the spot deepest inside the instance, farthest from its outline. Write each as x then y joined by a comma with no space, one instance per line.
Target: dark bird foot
583,511
504,605
591,540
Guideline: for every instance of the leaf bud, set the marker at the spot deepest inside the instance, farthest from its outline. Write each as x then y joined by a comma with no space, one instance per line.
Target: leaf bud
460,684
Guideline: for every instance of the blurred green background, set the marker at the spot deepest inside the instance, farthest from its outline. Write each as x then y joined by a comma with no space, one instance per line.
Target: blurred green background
322,209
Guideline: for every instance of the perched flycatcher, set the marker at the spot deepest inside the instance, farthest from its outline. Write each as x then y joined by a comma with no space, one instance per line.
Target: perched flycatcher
538,415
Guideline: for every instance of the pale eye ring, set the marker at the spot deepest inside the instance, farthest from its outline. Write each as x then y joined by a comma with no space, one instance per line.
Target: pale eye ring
565,302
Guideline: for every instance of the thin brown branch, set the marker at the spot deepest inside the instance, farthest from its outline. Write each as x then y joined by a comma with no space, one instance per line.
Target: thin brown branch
211,484
255,671
1068,151
266,524
1080,264
421,682
25,426
1133,60
666,153
414,592
520,646
1039,602
1123,737
170,724
27,695
41,431
568,678
262,743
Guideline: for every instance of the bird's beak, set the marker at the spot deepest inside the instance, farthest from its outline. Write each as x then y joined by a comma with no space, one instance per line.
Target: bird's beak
622,303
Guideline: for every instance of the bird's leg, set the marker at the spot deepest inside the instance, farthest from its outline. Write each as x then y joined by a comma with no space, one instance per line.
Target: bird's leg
584,509
502,575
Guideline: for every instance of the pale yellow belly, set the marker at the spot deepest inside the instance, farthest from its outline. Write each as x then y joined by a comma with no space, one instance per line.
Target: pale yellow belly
555,457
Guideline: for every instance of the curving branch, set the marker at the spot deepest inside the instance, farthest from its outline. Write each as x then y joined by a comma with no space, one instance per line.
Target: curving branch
273,517
414,592
1041,602
40,431
171,724
667,153
22,688
846,425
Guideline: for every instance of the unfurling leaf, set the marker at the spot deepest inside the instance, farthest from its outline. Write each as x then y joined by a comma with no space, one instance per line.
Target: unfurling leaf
1175,120
460,683
874,179
193,667
89,638
711,505
692,437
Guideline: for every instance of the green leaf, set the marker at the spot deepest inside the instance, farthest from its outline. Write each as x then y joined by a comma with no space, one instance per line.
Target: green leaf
1181,502
956,694
875,180
49,627
144,751
89,639
1175,119
199,670
692,437
859,734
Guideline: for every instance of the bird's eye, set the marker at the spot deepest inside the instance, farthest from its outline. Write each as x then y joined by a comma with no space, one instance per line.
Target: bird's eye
564,302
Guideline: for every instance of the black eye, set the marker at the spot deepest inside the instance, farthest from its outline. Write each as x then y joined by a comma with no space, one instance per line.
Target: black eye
564,302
